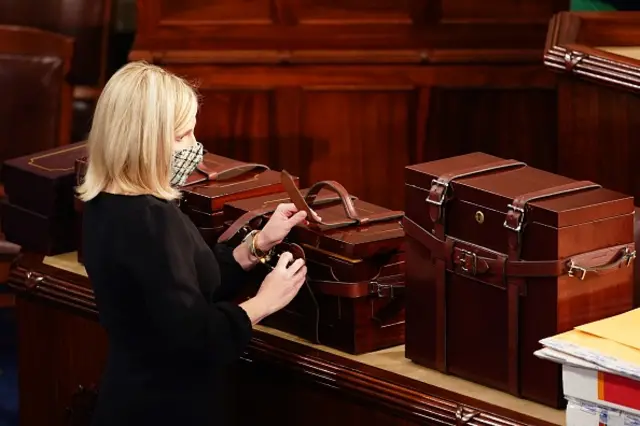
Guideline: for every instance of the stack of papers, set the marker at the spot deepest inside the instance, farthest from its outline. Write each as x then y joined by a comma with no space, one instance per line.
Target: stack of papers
600,370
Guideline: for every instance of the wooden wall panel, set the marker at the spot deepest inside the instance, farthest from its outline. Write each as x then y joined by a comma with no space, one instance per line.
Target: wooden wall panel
599,126
361,125
502,10
358,137
512,123
66,362
356,90
236,123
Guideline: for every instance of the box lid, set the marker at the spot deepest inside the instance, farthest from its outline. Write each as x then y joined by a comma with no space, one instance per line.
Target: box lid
210,196
350,243
43,182
498,188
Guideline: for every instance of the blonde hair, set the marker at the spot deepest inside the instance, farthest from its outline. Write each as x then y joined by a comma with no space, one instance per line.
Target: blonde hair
139,114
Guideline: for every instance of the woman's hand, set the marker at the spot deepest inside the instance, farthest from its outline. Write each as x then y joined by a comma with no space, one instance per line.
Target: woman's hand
280,224
278,288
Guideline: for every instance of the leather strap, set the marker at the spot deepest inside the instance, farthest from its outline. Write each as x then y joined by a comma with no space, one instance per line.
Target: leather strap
436,200
515,222
352,216
460,257
249,216
210,170
438,192
381,287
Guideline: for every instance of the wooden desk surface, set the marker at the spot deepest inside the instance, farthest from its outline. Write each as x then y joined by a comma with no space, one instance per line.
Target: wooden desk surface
628,51
390,360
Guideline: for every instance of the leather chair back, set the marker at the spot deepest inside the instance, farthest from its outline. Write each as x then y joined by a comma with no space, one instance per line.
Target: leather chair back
35,106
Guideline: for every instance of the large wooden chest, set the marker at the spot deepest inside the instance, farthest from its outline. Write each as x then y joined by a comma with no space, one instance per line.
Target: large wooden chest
354,296
38,212
501,255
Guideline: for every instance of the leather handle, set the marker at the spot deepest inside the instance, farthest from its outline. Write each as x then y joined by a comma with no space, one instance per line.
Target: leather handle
345,198
300,201
214,168
352,216
623,258
249,216
229,171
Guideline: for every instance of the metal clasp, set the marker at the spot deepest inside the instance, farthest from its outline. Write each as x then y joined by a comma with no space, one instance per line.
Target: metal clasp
445,186
378,289
468,261
576,271
520,219
630,255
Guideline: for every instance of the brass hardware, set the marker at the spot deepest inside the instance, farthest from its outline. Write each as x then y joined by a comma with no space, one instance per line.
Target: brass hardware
33,281
479,217
468,261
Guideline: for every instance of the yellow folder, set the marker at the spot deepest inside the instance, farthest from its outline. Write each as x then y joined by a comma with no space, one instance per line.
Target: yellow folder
623,328
600,346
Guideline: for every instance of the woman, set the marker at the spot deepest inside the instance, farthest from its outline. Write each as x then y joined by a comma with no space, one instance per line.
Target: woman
159,288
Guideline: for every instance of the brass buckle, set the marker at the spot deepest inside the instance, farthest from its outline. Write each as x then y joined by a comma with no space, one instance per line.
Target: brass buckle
445,186
468,258
630,255
378,289
576,271
518,227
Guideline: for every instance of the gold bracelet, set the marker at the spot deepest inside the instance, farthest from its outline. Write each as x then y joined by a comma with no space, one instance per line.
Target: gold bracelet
254,250
254,247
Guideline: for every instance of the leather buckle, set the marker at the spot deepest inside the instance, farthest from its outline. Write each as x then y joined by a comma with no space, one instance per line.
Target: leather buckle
577,271
519,213
468,261
434,184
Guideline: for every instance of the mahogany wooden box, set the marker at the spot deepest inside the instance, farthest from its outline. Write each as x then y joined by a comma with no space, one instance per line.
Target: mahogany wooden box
501,255
354,296
38,213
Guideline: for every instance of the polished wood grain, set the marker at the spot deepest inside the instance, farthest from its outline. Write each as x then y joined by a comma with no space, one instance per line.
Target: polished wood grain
598,96
306,383
354,91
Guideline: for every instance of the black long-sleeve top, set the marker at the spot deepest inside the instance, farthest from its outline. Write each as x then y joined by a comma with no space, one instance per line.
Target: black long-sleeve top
161,294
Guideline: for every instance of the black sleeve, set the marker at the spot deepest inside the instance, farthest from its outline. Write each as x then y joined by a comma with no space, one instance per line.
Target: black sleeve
161,261
233,278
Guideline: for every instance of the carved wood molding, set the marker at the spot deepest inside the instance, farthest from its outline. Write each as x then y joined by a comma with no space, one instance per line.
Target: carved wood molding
336,57
408,398
38,284
566,52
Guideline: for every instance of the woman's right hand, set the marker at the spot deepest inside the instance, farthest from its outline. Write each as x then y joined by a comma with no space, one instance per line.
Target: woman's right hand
278,288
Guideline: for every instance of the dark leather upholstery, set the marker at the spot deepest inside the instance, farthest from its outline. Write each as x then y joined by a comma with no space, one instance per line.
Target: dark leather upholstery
35,106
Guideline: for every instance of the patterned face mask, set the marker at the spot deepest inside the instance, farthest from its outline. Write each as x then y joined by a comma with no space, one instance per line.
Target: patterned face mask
184,162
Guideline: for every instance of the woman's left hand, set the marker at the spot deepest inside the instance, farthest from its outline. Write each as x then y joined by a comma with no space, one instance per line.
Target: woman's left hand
280,224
